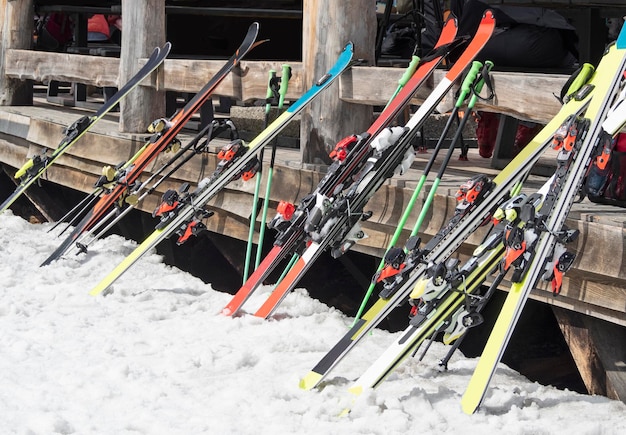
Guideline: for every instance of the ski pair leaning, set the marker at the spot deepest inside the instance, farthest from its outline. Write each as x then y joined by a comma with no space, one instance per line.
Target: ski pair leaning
470,214
193,203
164,135
331,216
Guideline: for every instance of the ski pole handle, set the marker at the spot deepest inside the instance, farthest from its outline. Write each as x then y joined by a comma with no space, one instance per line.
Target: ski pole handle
270,92
410,70
469,80
284,84
484,73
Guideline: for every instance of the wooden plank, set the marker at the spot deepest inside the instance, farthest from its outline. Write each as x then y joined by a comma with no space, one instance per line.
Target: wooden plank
44,66
247,82
512,91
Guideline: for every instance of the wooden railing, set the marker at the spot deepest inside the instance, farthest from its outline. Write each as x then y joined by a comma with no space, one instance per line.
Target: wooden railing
360,85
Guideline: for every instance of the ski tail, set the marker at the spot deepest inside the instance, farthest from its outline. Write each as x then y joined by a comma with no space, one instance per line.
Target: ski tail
284,287
256,278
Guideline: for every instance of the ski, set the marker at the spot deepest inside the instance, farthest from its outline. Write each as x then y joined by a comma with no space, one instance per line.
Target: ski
338,225
544,232
36,166
164,133
447,298
235,161
197,145
468,216
350,155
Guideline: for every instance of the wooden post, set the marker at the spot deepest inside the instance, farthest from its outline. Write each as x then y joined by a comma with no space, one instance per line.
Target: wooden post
143,29
16,32
598,350
327,26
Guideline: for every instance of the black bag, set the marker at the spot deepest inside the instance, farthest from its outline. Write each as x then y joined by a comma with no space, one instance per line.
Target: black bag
400,40
606,180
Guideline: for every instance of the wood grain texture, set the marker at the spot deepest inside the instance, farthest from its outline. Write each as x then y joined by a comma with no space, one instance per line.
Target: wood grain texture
16,29
144,29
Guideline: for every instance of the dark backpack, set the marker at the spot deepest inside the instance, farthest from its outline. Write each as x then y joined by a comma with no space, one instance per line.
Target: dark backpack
606,180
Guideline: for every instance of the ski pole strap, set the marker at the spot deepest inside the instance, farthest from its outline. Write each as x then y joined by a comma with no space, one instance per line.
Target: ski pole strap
468,82
576,81
284,84
443,50
484,79
272,90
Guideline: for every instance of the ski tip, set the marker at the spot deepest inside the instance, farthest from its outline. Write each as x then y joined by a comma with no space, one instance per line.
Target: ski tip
254,27
621,39
310,381
489,15
166,48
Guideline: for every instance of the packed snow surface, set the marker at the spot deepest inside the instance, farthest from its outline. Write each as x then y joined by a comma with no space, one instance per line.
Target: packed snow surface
155,357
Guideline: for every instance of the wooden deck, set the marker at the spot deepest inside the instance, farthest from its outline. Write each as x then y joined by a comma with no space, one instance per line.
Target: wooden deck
596,286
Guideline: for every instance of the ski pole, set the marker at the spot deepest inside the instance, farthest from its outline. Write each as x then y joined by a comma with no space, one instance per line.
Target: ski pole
270,96
282,91
408,73
470,78
77,210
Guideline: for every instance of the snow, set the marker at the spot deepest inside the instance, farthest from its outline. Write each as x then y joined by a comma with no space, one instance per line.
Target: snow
156,357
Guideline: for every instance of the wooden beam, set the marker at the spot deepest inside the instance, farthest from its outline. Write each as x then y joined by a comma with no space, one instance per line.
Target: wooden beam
16,29
246,83
144,29
249,82
598,350
526,96
327,26
44,66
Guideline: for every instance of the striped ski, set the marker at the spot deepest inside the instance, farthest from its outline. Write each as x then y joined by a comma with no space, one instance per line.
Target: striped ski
35,167
208,188
165,131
